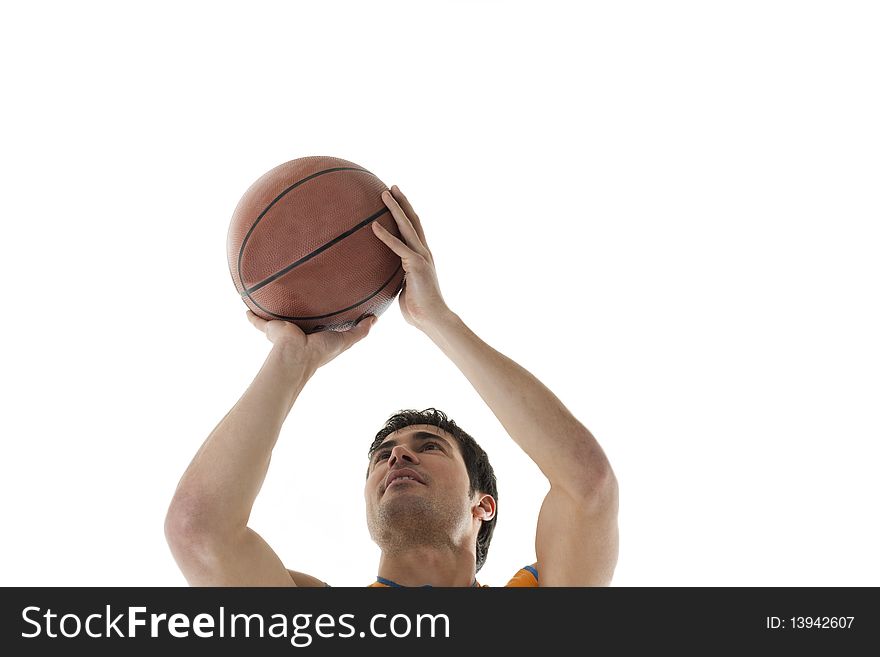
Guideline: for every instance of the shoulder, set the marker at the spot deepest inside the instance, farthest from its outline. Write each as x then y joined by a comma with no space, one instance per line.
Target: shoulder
525,577
301,579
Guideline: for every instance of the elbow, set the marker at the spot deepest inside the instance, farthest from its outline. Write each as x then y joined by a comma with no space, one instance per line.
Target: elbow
180,528
600,484
593,480
188,529
179,525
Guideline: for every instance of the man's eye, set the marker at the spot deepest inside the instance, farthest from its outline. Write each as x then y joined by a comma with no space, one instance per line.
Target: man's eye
382,455
434,445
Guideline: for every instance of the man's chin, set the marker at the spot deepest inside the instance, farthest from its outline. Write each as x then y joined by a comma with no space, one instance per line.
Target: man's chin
402,511
403,486
410,502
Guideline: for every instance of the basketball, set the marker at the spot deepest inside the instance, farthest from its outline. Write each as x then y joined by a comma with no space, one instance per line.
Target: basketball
301,249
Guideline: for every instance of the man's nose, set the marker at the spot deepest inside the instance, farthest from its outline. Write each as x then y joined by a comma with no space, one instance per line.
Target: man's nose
401,452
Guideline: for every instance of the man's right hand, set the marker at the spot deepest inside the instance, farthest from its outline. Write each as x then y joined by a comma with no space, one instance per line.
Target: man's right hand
315,349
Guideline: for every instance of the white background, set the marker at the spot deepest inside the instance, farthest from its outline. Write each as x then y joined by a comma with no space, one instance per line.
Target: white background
665,211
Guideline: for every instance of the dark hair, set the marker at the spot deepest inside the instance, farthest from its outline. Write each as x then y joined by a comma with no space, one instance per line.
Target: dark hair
480,472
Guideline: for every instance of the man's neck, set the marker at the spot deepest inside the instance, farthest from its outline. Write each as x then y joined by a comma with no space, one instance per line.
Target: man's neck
428,566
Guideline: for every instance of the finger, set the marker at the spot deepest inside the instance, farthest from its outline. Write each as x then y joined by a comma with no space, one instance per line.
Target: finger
366,318
259,322
411,213
406,254
409,234
359,331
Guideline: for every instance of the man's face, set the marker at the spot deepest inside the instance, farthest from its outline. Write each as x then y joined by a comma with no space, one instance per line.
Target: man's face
417,489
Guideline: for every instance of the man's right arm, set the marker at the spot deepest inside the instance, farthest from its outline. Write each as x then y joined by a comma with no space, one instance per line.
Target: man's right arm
206,524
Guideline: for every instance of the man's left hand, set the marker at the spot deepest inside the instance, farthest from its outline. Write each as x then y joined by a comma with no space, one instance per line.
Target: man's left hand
420,299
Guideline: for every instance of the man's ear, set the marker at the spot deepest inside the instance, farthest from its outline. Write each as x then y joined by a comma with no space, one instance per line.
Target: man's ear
485,508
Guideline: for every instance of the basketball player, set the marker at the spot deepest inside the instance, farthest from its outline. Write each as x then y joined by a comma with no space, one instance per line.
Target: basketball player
430,491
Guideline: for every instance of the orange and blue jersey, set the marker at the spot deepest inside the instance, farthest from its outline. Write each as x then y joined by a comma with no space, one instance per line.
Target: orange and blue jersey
527,576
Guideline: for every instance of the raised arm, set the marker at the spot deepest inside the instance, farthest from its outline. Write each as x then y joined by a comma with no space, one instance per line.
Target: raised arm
576,538
207,522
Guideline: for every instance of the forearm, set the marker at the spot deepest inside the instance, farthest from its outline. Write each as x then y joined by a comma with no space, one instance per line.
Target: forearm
218,489
562,447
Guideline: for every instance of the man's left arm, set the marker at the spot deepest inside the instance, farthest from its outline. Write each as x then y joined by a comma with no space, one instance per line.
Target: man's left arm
577,536
576,539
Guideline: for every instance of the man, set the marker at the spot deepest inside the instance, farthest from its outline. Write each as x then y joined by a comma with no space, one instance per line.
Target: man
429,508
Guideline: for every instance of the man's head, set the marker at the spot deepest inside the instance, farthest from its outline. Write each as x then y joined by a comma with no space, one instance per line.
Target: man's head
429,483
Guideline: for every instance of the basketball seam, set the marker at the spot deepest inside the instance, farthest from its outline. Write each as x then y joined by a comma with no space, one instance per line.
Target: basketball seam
278,198
319,250
335,312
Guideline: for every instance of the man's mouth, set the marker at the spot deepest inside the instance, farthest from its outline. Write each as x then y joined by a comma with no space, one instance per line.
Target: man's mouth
400,480
400,477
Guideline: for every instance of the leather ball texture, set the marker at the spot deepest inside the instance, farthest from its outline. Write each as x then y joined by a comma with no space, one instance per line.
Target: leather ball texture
301,248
